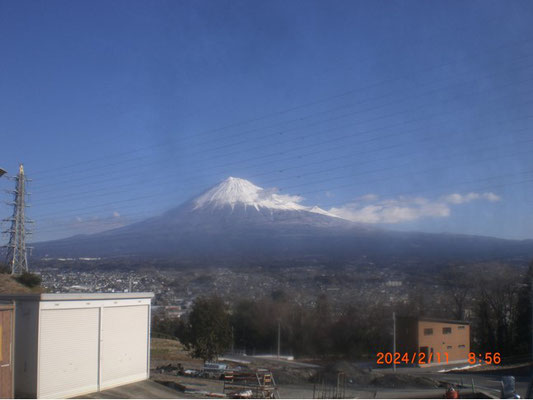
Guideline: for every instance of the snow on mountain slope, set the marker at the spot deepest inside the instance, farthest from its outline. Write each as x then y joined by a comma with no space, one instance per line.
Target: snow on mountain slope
236,191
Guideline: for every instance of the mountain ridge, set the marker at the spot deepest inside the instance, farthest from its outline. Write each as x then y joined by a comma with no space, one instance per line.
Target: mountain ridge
237,221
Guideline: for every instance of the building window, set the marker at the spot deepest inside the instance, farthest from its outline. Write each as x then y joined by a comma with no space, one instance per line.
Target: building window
428,331
461,327
446,330
448,347
461,346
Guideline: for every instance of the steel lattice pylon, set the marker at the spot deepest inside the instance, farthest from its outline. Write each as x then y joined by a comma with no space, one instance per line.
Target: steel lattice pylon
16,248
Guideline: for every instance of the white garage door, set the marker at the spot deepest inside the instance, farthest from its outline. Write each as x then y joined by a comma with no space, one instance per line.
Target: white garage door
68,362
124,345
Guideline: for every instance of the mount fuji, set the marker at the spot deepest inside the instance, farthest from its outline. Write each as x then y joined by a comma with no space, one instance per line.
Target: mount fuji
237,222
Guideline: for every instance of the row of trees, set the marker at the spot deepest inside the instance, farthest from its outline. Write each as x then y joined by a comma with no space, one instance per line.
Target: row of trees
212,328
319,331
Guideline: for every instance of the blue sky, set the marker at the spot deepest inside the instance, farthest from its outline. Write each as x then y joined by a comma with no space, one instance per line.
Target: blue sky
407,114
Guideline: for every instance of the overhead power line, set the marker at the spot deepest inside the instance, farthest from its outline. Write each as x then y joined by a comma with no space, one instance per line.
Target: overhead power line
321,145
171,177
76,212
307,135
363,89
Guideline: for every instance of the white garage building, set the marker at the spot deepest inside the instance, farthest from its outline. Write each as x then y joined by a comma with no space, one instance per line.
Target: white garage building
74,343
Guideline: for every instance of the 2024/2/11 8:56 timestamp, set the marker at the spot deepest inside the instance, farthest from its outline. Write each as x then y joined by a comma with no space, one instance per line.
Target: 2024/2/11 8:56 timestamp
487,358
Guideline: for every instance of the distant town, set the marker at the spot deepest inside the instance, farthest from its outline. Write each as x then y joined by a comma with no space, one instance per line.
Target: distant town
181,287
176,289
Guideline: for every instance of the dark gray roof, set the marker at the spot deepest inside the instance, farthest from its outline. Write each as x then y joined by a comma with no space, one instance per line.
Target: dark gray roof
446,321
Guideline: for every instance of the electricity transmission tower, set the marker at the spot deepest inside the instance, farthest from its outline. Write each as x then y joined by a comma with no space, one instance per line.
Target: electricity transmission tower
16,247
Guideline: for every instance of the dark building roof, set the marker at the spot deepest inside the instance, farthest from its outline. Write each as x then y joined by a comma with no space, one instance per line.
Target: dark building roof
446,321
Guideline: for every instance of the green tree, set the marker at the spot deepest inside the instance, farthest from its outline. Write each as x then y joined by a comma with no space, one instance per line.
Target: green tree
207,333
28,279
321,325
4,268
166,327
247,333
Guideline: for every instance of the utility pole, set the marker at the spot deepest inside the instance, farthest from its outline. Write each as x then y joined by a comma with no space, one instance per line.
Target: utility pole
393,340
279,338
16,247
232,341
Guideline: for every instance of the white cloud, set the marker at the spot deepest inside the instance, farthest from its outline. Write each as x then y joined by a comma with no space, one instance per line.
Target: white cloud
456,198
491,197
392,211
368,209
272,196
368,197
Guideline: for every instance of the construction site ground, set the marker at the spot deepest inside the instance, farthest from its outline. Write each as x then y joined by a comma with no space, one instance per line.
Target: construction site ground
298,379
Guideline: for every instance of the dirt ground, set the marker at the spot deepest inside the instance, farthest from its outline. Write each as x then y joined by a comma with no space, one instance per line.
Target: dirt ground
167,351
293,379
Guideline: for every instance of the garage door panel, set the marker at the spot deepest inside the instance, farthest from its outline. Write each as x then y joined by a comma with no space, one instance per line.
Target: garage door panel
124,345
68,361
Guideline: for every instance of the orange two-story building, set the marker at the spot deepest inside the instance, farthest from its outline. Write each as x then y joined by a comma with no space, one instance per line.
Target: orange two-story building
442,341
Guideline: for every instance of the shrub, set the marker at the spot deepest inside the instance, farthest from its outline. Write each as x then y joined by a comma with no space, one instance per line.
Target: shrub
28,279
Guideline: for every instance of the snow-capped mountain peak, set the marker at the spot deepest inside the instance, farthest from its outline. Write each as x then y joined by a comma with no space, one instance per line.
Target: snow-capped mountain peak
237,191
229,192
